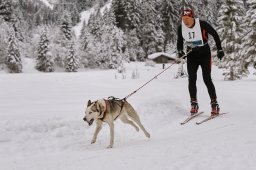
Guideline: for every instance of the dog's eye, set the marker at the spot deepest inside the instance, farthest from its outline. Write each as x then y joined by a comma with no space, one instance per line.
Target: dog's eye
90,113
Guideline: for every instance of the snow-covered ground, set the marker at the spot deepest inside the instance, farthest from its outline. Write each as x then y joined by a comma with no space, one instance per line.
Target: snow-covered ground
41,126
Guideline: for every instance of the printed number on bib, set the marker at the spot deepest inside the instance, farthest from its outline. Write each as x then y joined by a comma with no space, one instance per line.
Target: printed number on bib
191,35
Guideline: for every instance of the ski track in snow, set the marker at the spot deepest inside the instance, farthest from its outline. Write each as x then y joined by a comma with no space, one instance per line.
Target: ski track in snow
41,124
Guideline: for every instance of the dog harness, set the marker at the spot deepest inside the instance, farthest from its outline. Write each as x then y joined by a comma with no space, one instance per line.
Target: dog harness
103,114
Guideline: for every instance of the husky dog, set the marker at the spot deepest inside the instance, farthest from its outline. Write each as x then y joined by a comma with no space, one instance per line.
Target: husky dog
109,110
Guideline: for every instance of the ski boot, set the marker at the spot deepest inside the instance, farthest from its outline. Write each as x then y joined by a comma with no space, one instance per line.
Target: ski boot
215,107
194,107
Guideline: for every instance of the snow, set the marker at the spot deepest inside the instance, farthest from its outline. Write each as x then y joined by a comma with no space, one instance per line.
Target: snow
107,6
47,3
41,124
155,55
85,16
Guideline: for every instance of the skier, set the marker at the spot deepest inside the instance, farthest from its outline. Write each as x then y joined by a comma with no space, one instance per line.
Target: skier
195,33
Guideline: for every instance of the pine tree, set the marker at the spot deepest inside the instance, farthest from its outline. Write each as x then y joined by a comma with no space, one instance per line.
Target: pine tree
5,9
249,40
135,51
63,38
84,37
112,42
72,60
105,45
169,11
129,15
110,52
230,31
13,59
4,31
44,61
95,24
150,29
120,13
66,25
214,7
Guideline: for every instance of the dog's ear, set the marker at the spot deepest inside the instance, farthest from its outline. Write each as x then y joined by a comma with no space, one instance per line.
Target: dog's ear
89,103
101,107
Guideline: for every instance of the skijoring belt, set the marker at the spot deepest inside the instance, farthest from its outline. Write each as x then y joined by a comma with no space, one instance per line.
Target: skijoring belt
197,47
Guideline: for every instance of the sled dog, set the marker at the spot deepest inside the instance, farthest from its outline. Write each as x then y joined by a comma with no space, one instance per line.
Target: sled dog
109,110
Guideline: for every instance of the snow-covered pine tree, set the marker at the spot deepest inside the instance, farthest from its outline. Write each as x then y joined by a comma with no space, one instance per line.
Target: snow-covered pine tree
5,9
128,15
66,25
170,16
85,40
63,39
121,10
135,51
95,24
75,15
105,46
150,29
111,51
211,9
13,59
4,27
72,60
84,36
44,61
249,40
229,28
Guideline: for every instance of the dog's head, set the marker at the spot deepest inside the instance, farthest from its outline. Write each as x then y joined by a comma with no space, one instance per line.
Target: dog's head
95,110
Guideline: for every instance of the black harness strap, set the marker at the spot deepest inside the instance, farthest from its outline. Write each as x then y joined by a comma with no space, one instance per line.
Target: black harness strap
112,99
122,105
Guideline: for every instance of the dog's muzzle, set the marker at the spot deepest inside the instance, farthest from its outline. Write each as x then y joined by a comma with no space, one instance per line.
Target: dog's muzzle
89,122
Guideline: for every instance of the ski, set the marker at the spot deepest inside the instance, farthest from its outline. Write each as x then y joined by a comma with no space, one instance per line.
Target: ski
191,117
209,118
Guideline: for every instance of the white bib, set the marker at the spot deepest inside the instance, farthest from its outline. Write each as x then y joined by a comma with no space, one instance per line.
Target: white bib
193,36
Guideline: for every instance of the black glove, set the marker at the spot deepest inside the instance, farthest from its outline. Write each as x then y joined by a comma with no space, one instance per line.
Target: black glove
220,54
181,54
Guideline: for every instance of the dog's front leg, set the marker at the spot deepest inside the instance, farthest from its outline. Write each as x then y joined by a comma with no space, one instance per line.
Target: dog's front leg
97,130
111,126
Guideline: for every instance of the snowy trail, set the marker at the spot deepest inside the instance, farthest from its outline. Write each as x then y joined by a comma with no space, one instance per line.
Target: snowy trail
41,123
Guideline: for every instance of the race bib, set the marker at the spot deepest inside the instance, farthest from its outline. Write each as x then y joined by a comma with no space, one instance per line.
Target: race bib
193,36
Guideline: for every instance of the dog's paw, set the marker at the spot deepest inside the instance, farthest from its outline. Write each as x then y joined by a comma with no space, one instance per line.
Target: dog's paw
147,134
93,141
110,146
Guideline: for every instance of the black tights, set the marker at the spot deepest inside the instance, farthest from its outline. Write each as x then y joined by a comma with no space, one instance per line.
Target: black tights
200,57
